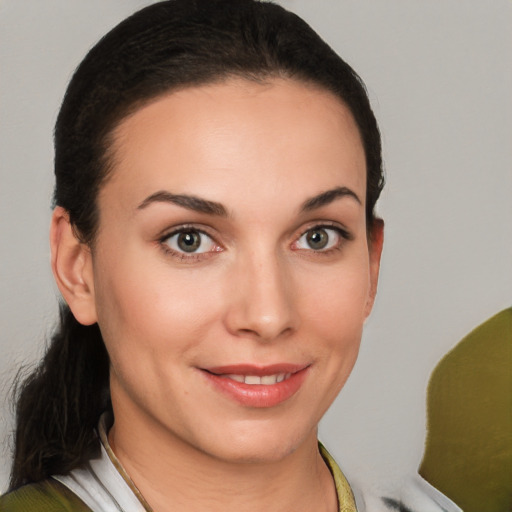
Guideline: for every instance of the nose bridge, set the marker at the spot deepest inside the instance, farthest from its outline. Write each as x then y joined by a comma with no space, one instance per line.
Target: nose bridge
263,302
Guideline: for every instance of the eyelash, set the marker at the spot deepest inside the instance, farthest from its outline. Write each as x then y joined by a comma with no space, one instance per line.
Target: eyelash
184,256
344,235
195,256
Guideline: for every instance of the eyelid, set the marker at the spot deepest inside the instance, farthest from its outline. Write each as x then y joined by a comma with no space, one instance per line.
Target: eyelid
183,255
340,228
179,229
344,234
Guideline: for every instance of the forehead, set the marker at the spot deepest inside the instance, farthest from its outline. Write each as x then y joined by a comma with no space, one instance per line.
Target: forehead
258,139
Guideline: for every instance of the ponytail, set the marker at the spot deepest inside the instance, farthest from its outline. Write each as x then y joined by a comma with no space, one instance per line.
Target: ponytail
59,404
164,47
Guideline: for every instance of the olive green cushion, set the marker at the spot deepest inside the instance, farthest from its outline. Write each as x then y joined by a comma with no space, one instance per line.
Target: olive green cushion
46,496
468,454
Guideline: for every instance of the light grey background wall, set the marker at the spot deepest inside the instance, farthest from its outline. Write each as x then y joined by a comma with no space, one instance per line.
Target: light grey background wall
439,75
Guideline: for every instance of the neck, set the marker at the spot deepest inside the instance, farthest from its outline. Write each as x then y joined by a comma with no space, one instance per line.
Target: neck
174,475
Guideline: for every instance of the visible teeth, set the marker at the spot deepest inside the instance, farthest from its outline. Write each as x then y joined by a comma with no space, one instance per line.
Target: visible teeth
255,379
269,379
238,378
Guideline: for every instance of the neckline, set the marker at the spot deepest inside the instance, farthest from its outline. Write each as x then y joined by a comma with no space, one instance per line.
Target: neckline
104,484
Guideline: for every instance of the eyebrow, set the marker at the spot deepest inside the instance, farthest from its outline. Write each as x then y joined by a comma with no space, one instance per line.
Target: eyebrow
328,197
185,201
200,205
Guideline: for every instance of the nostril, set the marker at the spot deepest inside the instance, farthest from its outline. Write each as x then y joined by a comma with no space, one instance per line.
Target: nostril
266,333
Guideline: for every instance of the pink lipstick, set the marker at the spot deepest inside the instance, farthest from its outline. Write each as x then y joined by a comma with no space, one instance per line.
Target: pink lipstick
256,386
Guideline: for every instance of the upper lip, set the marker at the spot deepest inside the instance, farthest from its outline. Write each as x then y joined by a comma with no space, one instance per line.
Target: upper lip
260,371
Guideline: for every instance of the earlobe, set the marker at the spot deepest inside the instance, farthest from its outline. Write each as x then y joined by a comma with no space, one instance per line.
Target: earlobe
376,242
72,268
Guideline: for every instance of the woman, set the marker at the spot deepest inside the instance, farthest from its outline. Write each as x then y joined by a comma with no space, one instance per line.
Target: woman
214,239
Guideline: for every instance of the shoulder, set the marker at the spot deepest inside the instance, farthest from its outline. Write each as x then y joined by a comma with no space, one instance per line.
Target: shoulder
46,496
408,494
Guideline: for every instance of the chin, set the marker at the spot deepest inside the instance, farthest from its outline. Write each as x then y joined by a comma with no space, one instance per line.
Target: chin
259,443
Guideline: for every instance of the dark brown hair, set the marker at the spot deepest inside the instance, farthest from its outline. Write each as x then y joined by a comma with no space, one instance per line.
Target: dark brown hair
164,47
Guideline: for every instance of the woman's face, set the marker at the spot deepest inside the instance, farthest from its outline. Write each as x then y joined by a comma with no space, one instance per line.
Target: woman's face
232,272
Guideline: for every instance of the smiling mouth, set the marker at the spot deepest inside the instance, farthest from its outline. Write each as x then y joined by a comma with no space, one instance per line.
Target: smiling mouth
267,380
254,386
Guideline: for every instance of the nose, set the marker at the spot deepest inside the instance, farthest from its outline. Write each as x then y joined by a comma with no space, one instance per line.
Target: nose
262,303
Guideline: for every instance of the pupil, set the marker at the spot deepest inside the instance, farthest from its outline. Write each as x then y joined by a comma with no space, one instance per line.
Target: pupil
318,239
189,241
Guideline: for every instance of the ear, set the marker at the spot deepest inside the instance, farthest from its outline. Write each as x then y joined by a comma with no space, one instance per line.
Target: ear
375,242
72,268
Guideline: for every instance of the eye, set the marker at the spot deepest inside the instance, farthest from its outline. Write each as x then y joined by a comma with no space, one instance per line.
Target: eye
190,241
321,238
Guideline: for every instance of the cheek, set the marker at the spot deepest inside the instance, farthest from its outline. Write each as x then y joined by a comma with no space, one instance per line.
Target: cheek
338,298
335,307
152,327
147,309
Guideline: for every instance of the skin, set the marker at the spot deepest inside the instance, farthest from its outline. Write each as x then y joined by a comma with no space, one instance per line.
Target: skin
256,292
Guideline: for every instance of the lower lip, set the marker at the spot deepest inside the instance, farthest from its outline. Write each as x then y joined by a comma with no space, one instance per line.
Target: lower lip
258,395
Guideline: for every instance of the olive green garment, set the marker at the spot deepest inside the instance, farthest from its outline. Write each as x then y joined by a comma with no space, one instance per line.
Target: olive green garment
46,496
468,454
346,501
